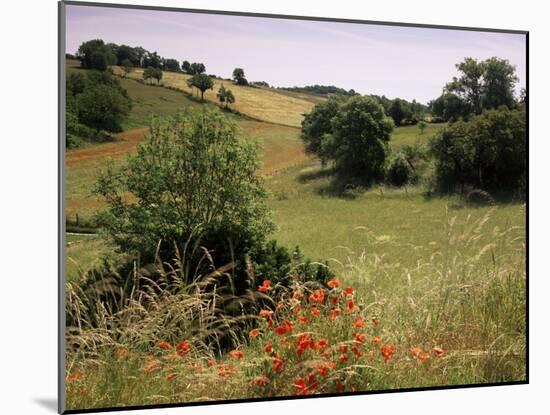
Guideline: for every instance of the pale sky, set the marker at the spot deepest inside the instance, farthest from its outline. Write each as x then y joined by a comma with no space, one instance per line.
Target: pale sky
394,61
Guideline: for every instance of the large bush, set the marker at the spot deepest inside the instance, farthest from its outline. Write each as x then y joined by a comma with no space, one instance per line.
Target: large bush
488,152
193,183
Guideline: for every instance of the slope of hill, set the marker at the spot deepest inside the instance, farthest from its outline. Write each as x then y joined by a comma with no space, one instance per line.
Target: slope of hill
265,104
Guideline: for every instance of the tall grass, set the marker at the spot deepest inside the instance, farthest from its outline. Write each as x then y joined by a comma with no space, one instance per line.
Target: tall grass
456,317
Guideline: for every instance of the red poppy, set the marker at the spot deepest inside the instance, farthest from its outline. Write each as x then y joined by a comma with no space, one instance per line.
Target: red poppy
438,351
211,362
360,337
171,376
280,305
285,327
314,311
265,287
300,387
423,356
297,309
267,314
322,343
333,283
303,319
225,371
415,351
182,348
254,333
356,351
335,312
165,345
339,387
376,340
261,380
318,296
348,291
278,363
236,354
351,306
375,321
321,369
359,323
387,351
268,347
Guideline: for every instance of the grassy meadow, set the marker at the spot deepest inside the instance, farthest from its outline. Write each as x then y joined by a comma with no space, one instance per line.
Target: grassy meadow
436,287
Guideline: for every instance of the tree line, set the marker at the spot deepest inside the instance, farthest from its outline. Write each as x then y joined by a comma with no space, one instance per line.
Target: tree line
483,146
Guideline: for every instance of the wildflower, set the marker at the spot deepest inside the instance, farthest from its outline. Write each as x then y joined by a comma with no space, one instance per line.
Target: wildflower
317,296
343,348
311,381
285,327
415,351
358,322
265,287
297,309
211,362
268,347
224,371
278,363
314,311
375,321
303,319
334,299
300,387
171,376
322,343
280,305
75,376
438,351
356,351
376,340
348,291
339,387
254,333
152,366
297,295
351,307
333,283
343,357
121,353
261,380
236,354
268,315
321,369
164,345
182,348
149,357
360,337
423,356
387,351
335,312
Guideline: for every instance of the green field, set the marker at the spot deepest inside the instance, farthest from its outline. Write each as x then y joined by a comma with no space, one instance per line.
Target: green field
434,273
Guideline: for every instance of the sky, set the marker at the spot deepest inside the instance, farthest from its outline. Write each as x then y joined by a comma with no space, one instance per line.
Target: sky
404,62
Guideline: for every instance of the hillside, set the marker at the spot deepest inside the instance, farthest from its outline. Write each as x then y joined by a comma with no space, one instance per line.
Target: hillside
265,104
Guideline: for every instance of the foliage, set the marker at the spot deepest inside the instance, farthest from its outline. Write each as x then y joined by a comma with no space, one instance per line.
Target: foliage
186,67
94,54
127,67
152,73
194,181
197,68
322,90
171,65
202,82
102,107
450,107
398,111
399,171
488,152
359,142
238,76
484,84
422,127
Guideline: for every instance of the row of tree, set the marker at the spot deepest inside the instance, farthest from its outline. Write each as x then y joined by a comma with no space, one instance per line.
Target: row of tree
481,85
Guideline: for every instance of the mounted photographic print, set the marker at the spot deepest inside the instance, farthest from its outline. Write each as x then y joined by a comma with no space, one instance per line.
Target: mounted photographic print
256,207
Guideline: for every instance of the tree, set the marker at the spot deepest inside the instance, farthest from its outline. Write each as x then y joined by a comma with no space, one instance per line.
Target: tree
148,73
197,68
202,82
238,76
489,151
171,65
125,52
229,98
222,94
358,144
126,66
499,83
186,67
96,46
102,107
193,181
397,111
469,85
317,127
157,74
450,107
98,61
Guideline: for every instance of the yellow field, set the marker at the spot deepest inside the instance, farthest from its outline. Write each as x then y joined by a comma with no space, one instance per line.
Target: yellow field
266,104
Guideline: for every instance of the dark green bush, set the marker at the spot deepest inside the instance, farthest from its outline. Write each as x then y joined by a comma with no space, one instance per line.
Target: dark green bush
399,171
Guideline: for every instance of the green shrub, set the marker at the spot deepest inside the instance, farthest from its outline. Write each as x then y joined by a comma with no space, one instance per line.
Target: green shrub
399,171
